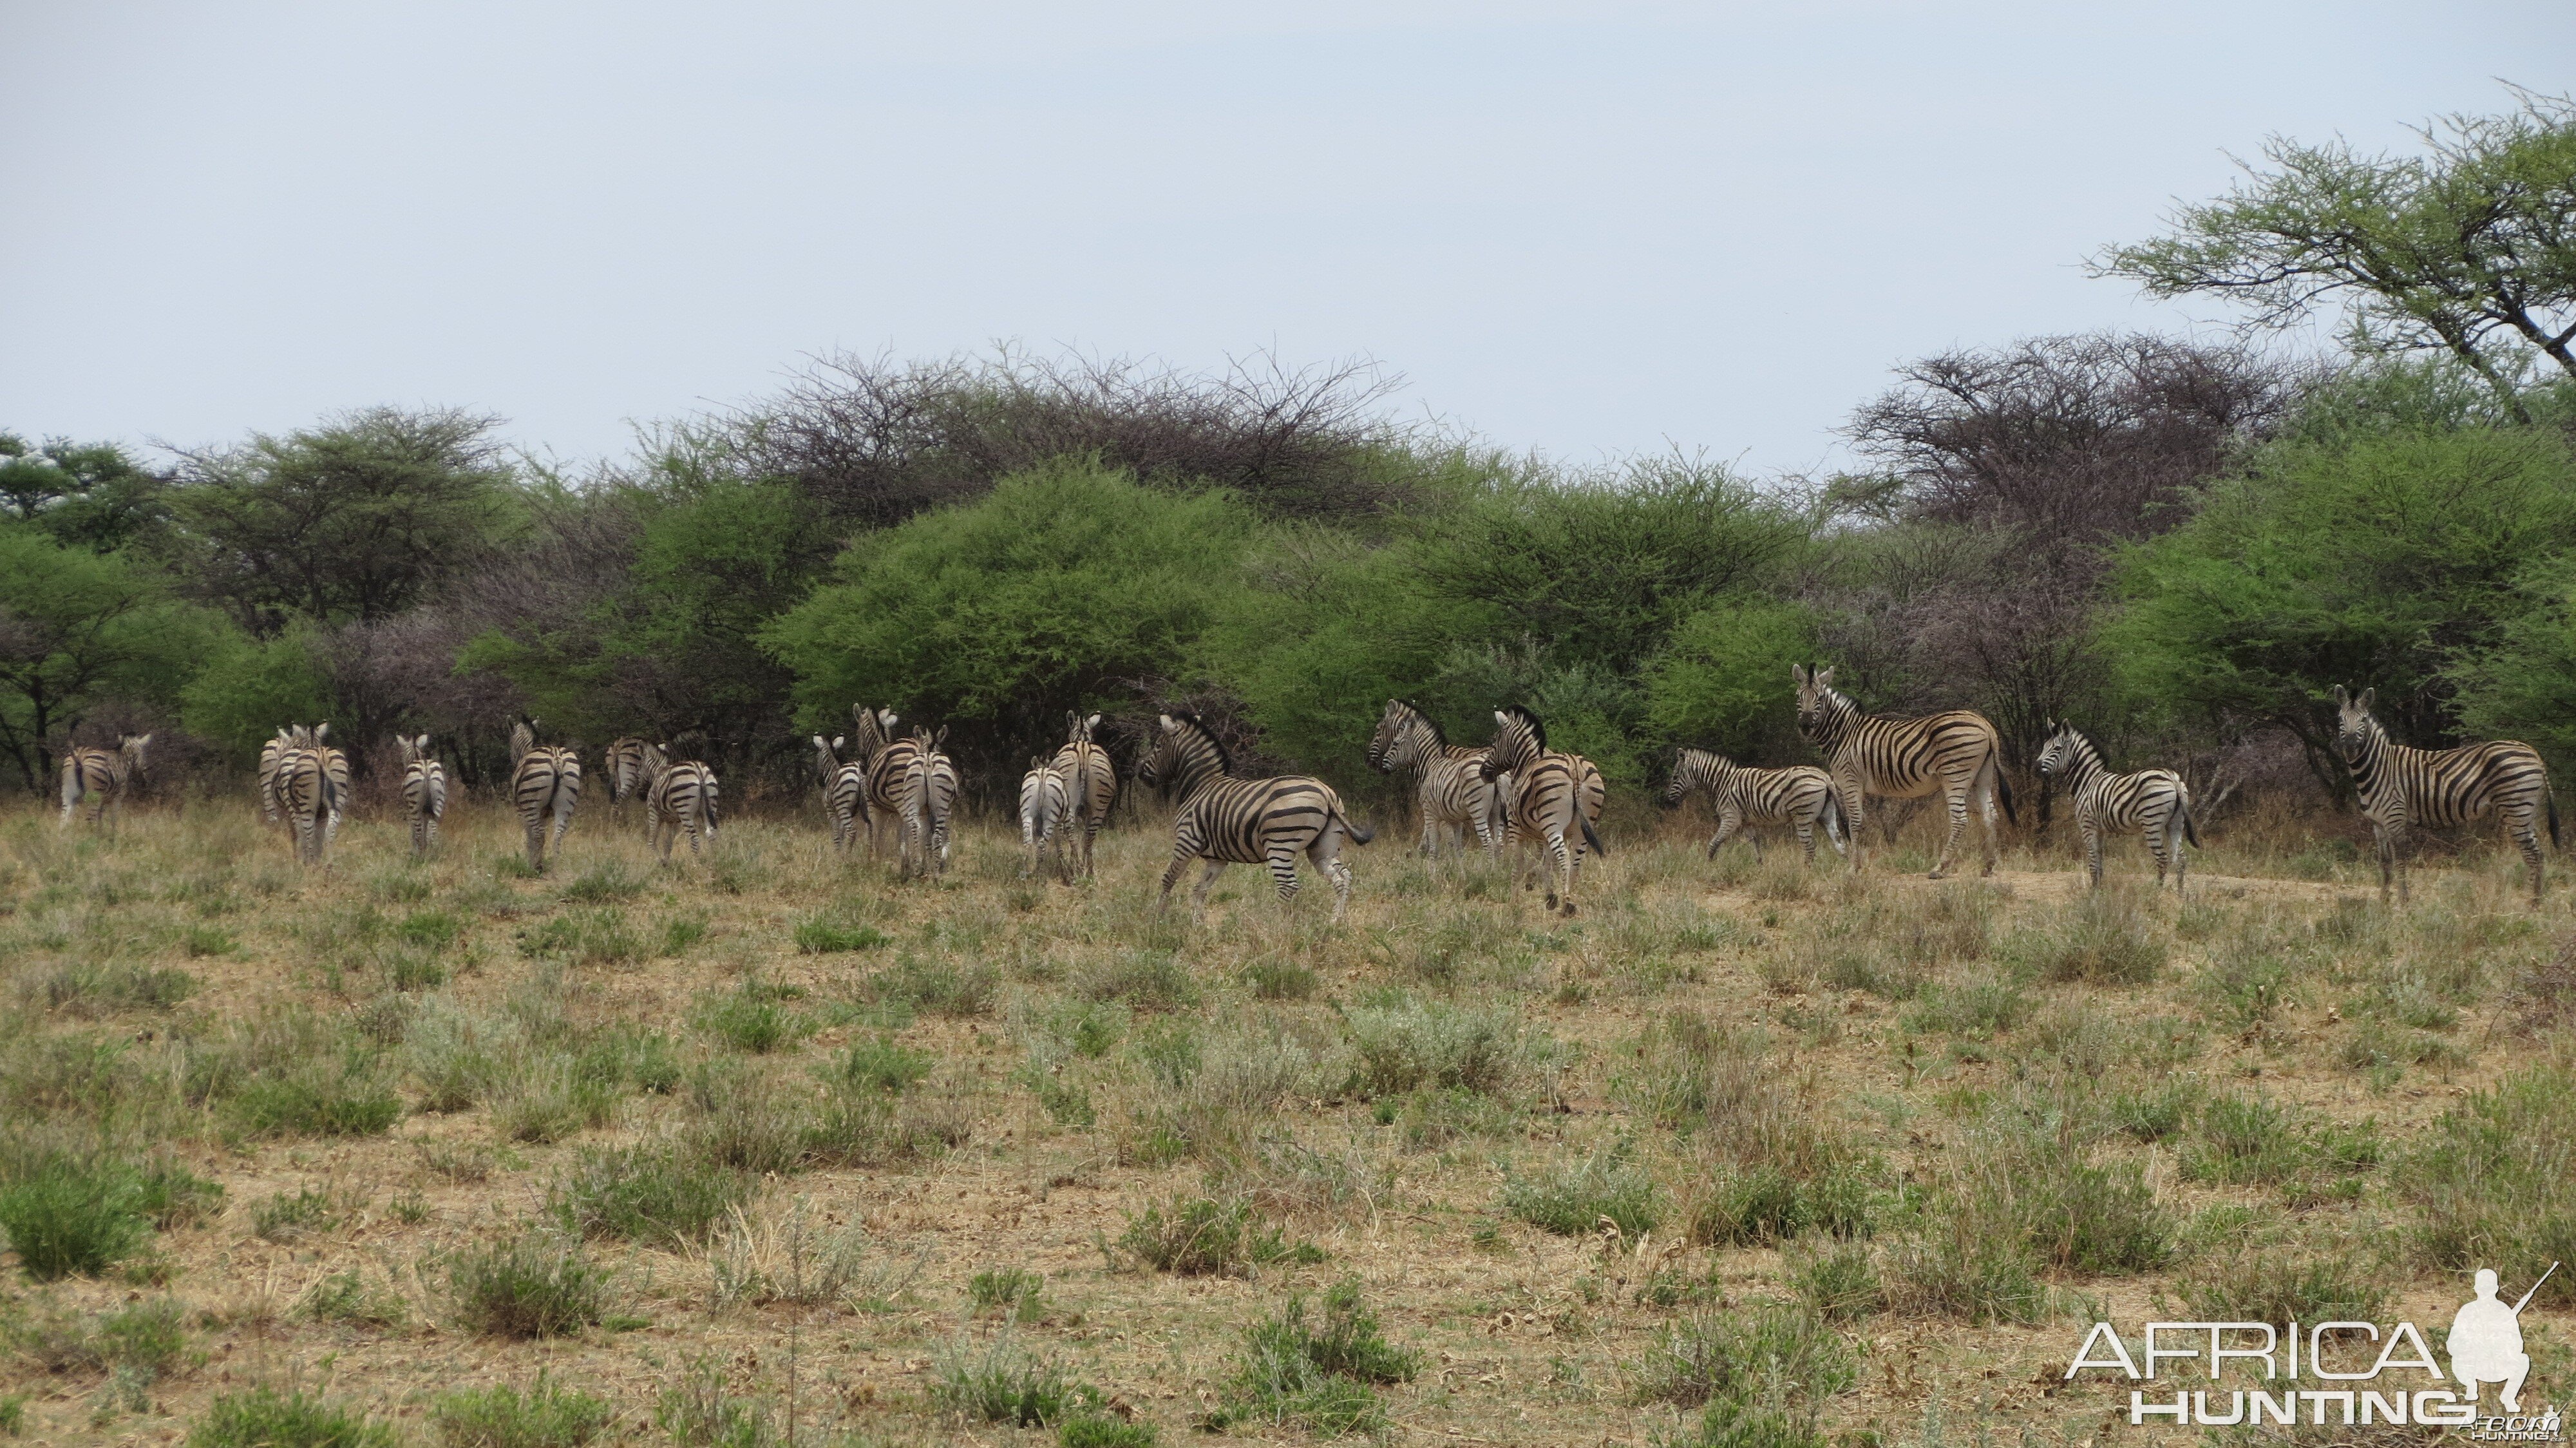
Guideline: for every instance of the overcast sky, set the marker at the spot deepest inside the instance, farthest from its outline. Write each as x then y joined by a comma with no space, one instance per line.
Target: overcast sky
1589,229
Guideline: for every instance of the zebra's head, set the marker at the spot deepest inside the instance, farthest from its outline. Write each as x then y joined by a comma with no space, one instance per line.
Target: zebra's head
523,737
1079,727
1818,703
827,756
1691,769
1519,737
412,746
1397,744
131,746
2355,729
2061,744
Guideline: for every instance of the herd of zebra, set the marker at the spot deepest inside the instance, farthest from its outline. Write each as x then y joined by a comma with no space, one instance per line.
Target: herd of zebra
1514,793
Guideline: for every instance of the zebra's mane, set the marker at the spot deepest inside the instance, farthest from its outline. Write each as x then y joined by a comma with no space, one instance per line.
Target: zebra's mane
1439,736
1538,731
1224,759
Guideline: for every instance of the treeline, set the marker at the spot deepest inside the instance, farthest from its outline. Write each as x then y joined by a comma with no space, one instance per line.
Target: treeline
2179,544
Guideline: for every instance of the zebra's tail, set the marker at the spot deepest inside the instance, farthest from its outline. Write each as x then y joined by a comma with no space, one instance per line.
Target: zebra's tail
2190,830
2003,792
1591,836
2553,819
1360,834
1831,817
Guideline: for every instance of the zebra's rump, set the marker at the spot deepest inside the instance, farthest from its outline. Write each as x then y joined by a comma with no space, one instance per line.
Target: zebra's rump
1908,758
886,772
546,779
1549,790
1088,764
684,792
425,789
1244,821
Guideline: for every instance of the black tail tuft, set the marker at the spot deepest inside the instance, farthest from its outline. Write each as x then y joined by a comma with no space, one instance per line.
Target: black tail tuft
1360,833
2553,820
1590,837
2003,793
2191,831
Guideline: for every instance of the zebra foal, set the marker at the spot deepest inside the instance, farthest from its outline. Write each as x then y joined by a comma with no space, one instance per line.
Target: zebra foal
1801,796
845,790
677,797
2402,787
424,791
2155,802
1449,779
1956,755
1222,821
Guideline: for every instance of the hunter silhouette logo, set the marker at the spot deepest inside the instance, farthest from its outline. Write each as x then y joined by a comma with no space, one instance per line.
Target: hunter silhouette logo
2362,1374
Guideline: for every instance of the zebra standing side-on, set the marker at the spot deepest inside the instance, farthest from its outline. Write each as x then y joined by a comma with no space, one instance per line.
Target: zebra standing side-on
2154,802
1225,821
1091,783
884,759
624,763
2402,787
845,790
545,784
424,791
1554,804
102,776
1957,755
1449,779
1046,820
677,797
1801,796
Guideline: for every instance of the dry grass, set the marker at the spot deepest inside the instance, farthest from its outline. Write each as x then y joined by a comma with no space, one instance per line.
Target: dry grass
747,1132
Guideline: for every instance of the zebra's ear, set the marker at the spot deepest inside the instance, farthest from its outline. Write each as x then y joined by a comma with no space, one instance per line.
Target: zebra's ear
837,740
2369,697
2340,697
1798,675
1824,677
1091,723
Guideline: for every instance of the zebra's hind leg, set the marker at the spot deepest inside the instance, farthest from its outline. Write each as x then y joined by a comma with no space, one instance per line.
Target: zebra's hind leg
2526,833
2092,830
1207,882
536,844
1326,855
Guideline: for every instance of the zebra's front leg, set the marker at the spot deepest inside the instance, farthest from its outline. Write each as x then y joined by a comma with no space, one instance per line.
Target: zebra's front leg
1728,822
1171,877
2384,845
2092,832
1848,793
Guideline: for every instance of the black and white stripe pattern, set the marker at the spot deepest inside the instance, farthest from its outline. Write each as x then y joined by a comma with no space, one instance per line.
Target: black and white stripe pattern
1450,783
1553,800
424,791
2154,802
2402,787
924,798
1091,783
102,777
677,797
335,765
627,776
1045,815
845,790
545,785
885,760
1226,821
1800,796
272,754
307,798
1956,754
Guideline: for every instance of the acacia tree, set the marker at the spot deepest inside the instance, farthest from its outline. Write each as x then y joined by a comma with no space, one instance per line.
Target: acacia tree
78,628
86,495
2469,248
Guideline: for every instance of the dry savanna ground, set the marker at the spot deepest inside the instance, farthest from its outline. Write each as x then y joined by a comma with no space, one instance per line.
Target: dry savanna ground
769,1147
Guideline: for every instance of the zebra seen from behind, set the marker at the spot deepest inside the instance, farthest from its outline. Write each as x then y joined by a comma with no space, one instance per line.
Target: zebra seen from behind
1553,803
335,763
307,797
1090,781
677,797
884,760
1046,819
2401,788
272,753
103,777
424,791
845,790
1449,779
924,798
624,763
1956,754
2155,802
545,785
1221,820
1801,796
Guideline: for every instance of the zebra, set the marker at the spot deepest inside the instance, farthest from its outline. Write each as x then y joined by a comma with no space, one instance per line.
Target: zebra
424,791
1225,821
1554,800
544,782
1801,796
2401,788
677,797
335,763
308,798
1449,778
625,765
272,752
884,759
1046,818
845,790
2153,801
1955,754
102,776
927,796
1091,782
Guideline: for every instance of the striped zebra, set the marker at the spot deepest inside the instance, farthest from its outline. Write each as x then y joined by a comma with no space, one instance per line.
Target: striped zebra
1801,796
335,763
1046,818
307,797
2401,788
677,797
545,783
1225,821
272,752
102,776
845,790
928,797
885,759
1955,754
1553,802
424,791
626,777
2153,801
1091,782
1449,779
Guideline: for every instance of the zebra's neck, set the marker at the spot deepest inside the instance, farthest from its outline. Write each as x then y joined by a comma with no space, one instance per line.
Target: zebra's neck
1836,718
2369,763
1195,764
2082,767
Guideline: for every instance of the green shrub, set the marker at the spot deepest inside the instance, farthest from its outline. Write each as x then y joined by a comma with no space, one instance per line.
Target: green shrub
2105,937
741,1118
1320,1375
1840,1284
348,1297
1408,1045
501,1416
13,1414
147,1341
752,1017
1011,1292
1199,1236
650,1194
938,988
1101,1430
1003,1382
1145,980
431,929
346,1096
1782,1352
824,935
284,1218
882,1064
697,1412
604,883
2494,1181
67,1215
1954,1266
1571,1199
1763,1204
266,1418
533,1285
2277,1288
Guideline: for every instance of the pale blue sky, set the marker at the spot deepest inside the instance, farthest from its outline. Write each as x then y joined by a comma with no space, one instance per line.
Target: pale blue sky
1589,229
